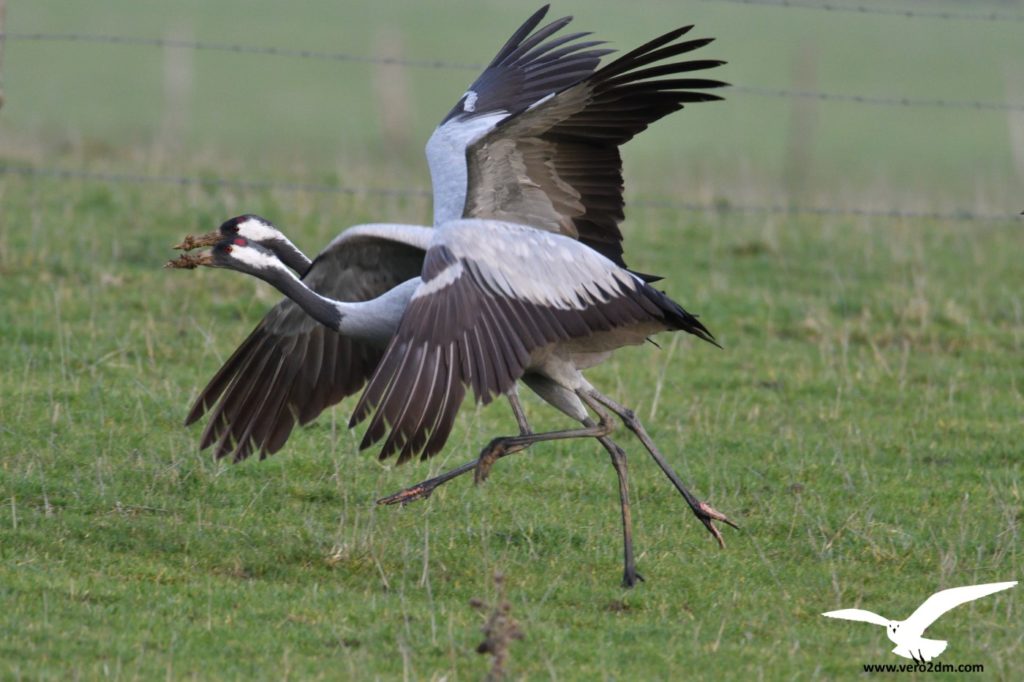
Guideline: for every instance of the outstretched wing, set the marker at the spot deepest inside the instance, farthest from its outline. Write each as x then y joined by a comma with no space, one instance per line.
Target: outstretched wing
292,368
527,69
532,64
940,602
492,294
556,165
859,615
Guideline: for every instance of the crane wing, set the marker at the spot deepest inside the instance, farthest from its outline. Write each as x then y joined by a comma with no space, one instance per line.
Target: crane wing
532,64
940,602
556,165
492,294
291,368
527,69
859,615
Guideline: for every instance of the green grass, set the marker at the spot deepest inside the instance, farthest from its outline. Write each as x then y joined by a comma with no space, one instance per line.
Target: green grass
863,425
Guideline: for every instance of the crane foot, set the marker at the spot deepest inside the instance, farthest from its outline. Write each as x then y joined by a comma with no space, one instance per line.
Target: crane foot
423,489
494,451
420,491
708,515
631,578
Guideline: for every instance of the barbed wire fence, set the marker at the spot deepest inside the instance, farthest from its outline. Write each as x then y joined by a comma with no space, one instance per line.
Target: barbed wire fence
850,8
237,48
272,51
720,206
717,207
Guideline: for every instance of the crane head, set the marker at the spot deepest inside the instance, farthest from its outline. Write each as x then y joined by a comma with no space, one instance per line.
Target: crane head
245,255
252,227
235,253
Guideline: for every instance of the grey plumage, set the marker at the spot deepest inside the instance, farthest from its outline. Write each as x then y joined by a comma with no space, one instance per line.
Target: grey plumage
291,368
498,300
538,89
504,290
556,166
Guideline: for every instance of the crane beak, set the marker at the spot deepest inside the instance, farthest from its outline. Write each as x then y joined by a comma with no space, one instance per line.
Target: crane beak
190,261
190,242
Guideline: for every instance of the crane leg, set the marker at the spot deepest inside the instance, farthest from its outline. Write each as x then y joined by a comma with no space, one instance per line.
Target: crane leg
702,510
495,449
517,410
502,447
618,455
423,489
498,448
506,445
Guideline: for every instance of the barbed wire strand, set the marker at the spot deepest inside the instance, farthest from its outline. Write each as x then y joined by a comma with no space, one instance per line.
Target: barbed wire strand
876,100
872,100
960,215
946,15
108,39
201,181
956,215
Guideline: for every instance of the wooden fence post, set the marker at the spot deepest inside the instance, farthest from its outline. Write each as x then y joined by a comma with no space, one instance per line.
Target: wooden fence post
391,89
1014,77
3,41
803,124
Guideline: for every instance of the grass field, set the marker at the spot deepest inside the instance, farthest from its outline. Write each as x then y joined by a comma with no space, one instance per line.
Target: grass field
863,423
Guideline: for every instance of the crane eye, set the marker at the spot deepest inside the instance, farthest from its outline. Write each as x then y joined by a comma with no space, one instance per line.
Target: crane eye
227,249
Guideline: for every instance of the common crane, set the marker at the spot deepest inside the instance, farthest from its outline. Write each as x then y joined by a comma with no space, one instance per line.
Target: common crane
563,141
496,301
560,154
286,350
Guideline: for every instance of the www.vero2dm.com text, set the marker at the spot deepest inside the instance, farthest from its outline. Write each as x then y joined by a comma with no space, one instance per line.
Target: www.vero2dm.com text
924,667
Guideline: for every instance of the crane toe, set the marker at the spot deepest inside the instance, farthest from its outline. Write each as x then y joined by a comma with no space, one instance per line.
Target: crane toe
494,451
420,491
708,515
631,578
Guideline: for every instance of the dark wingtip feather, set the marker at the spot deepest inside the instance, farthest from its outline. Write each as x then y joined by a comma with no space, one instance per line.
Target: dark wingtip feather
697,328
650,279
520,34
199,408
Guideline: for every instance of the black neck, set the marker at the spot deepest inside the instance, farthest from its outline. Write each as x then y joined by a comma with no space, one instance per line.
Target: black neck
288,254
319,308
